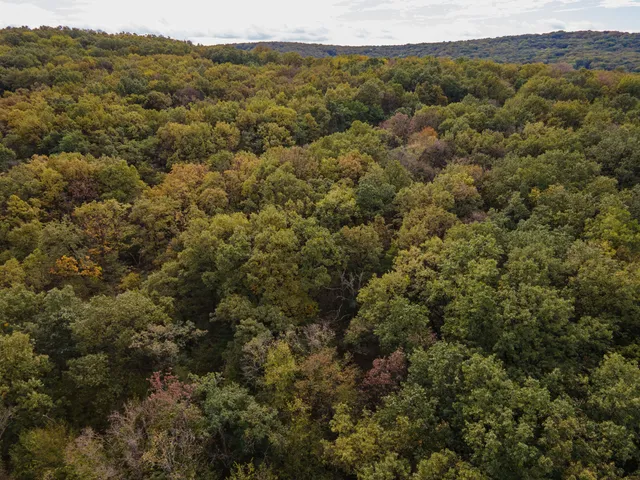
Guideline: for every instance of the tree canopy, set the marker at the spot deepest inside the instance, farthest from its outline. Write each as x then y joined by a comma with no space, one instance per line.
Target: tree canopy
227,264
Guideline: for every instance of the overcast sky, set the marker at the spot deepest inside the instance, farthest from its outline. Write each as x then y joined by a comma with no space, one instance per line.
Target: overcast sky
347,22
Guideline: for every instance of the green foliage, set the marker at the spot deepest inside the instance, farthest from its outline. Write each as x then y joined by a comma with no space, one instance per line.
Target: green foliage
39,453
241,425
21,385
217,263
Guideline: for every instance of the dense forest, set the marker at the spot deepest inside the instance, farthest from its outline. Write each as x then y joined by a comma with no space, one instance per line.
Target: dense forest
593,50
219,264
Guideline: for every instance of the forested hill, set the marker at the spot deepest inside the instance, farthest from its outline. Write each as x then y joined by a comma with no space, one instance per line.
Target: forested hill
228,265
600,50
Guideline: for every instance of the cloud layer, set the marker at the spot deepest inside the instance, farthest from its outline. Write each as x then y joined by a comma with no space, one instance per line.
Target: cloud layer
351,22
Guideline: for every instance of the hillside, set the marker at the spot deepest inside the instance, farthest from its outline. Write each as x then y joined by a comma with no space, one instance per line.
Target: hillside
228,265
595,50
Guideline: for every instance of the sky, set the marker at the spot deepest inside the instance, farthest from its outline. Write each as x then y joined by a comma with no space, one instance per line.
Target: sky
344,22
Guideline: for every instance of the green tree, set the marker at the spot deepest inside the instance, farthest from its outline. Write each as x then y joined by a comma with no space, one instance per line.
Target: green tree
21,384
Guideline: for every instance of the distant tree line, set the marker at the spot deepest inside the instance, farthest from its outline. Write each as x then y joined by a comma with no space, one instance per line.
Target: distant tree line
593,50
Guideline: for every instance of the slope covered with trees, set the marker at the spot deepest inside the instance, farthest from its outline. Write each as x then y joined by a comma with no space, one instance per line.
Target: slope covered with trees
251,265
593,50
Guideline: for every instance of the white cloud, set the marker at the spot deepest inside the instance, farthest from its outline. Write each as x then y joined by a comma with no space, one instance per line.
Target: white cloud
26,15
553,24
619,3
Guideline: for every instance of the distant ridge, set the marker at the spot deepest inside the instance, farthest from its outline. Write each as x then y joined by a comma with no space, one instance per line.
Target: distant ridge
589,49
